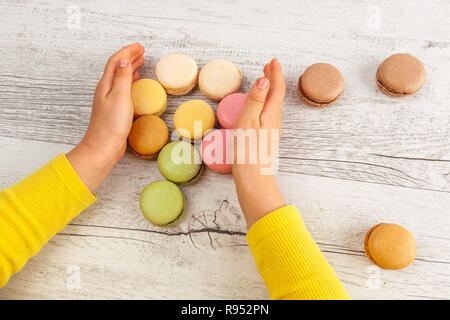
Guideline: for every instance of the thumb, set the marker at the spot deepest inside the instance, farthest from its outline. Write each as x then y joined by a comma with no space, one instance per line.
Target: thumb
123,77
254,104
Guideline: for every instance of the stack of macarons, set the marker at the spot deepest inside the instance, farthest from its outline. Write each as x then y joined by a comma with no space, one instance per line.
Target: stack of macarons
180,162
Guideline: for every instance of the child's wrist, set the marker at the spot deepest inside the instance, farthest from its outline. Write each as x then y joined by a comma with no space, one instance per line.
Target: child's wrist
107,152
93,163
258,194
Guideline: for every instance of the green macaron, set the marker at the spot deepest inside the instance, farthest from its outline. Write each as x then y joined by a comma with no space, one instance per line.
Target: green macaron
180,162
162,203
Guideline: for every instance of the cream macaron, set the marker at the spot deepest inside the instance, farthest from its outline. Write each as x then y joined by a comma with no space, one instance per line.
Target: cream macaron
177,73
218,78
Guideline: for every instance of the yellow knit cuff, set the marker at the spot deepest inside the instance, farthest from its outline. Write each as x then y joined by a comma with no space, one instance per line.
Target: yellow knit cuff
289,260
273,222
72,181
36,208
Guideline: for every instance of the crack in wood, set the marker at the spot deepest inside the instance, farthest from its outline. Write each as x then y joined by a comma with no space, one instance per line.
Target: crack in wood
408,158
351,252
180,233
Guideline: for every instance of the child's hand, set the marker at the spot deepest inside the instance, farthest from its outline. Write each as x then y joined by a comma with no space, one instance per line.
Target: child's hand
112,115
256,187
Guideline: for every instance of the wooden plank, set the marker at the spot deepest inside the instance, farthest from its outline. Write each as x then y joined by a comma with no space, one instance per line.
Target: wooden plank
121,255
366,136
47,79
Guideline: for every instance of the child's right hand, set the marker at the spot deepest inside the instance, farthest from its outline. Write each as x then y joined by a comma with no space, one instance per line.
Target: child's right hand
257,190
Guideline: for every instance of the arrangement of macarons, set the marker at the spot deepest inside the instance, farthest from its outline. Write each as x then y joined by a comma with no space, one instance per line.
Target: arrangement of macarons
162,202
180,162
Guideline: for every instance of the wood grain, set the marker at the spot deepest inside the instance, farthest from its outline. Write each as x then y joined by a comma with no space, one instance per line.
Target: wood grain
367,159
206,255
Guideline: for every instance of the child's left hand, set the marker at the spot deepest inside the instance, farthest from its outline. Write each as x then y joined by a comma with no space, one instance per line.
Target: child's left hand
112,116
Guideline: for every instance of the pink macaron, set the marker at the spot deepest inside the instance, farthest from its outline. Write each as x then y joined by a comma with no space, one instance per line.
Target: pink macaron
229,109
216,150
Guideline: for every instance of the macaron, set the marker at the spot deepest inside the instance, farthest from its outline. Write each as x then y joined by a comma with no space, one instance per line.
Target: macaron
320,85
229,109
218,78
216,150
162,203
148,135
177,73
390,246
148,97
400,75
193,119
180,162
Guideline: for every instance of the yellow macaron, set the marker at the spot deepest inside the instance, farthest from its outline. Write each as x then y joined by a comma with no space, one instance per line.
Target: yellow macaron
148,97
193,119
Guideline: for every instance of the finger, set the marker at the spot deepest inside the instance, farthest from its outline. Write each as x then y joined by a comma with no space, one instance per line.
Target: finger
136,76
254,104
139,62
275,96
132,52
123,78
278,86
267,70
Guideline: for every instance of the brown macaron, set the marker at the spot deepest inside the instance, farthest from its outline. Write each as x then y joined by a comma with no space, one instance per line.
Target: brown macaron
400,75
320,85
390,246
148,135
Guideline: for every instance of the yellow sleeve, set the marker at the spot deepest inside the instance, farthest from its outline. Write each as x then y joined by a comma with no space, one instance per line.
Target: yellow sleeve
35,209
289,260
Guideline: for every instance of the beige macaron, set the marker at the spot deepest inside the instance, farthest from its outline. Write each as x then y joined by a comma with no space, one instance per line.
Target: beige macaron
218,78
390,246
400,75
320,85
177,73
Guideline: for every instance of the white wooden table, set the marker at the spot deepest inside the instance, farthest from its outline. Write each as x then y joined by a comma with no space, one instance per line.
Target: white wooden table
368,159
